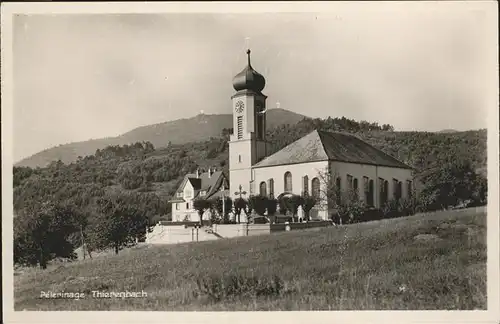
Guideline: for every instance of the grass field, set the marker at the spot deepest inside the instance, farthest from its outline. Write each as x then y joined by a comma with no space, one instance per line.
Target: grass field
376,265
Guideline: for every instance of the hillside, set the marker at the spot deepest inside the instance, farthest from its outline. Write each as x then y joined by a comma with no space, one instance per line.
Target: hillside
195,129
139,169
423,262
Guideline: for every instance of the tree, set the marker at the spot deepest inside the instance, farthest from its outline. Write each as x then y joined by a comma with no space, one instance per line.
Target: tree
42,234
450,185
260,204
81,222
308,203
118,223
239,205
480,193
272,204
201,205
283,205
330,193
350,209
294,202
224,212
249,208
343,204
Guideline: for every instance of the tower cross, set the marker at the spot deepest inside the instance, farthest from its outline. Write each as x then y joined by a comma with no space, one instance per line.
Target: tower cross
248,55
240,193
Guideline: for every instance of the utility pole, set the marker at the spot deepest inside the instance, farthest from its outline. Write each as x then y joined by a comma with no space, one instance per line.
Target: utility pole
223,202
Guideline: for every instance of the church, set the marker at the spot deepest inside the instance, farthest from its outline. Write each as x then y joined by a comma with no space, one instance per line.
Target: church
301,167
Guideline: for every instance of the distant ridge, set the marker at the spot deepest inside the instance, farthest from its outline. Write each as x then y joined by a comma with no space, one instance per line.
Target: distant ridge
447,131
180,131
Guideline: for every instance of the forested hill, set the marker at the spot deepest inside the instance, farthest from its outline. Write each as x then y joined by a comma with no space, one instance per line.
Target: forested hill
142,169
109,198
195,129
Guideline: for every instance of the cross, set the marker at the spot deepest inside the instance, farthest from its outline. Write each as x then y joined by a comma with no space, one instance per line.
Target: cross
241,193
248,54
247,41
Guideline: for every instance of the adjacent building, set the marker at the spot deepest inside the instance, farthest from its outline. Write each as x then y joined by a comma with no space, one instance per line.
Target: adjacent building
207,185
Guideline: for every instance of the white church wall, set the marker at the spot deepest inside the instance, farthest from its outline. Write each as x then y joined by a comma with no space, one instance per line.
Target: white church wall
299,170
359,171
277,173
237,178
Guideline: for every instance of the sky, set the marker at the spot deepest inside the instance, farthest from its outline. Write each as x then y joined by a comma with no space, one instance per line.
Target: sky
83,76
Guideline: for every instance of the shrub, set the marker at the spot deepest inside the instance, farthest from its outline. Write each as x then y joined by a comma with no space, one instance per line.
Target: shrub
259,204
228,205
42,234
371,214
350,210
408,206
272,205
392,209
283,205
294,202
308,202
201,205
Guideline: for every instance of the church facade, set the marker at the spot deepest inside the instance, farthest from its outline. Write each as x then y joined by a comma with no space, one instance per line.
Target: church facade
304,165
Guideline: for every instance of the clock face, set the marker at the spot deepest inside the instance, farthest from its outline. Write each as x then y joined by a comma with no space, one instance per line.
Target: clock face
239,106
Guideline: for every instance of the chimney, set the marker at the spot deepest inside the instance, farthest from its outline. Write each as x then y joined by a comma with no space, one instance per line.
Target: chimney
209,172
197,173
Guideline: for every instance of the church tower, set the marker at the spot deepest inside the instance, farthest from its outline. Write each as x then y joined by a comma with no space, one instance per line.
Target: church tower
247,144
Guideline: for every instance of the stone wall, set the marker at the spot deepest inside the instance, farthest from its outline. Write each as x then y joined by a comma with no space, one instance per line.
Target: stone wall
174,234
236,230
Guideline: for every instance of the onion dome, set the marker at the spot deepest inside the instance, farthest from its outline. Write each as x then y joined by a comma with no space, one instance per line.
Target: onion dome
249,79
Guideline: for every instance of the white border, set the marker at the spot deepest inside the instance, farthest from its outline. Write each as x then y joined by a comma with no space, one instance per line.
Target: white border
491,315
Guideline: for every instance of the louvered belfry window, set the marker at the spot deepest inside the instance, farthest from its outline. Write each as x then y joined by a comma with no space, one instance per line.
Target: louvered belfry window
240,127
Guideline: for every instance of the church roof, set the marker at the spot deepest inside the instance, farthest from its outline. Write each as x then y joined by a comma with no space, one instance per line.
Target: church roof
333,146
249,79
203,182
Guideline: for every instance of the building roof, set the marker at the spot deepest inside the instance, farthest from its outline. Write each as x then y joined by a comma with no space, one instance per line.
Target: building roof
332,146
249,79
204,182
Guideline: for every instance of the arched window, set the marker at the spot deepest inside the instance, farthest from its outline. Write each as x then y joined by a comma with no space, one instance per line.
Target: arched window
384,192
262,189
369,198
305,185
409,188
288,181
355,187
338,192
398,190
315,187
271,188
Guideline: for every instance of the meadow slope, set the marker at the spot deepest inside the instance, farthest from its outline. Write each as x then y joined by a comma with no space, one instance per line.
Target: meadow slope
373,265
